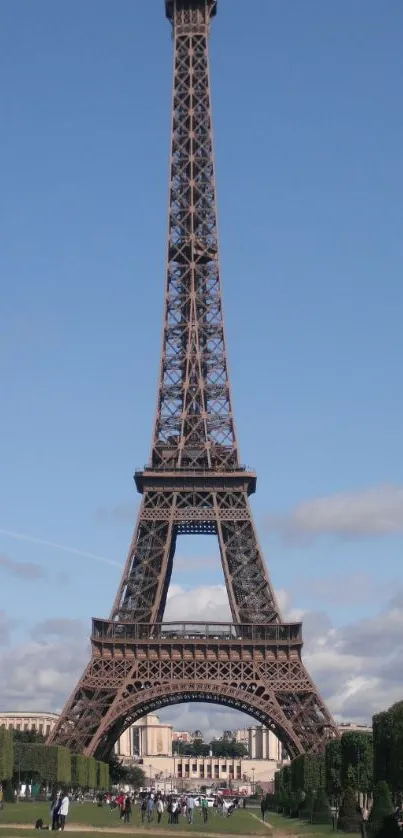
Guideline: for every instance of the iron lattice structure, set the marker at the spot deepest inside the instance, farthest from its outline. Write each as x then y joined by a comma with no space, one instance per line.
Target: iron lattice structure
194,483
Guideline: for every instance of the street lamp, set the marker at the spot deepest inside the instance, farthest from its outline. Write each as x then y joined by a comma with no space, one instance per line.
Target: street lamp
150,767
253,780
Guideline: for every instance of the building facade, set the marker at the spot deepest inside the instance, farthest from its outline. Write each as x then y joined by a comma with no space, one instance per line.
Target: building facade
263,744
146,737
41,723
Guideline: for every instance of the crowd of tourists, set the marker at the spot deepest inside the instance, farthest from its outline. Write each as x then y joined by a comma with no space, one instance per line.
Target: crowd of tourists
152,806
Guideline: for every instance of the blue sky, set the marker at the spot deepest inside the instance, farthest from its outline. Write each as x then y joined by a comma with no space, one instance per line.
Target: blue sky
309,132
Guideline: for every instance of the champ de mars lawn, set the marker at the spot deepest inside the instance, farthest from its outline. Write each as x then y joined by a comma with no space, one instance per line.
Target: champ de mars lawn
87,819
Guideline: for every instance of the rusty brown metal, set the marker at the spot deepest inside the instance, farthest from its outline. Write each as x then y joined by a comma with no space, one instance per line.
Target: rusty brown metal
194,483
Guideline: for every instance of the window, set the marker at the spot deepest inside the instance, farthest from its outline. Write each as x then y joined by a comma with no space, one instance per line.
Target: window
41,729
18,727
194,766
26,726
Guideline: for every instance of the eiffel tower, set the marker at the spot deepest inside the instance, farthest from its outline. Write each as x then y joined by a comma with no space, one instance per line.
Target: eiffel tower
193,484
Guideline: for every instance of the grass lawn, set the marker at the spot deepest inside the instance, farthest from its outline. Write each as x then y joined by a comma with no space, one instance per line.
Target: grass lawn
240,823
293,826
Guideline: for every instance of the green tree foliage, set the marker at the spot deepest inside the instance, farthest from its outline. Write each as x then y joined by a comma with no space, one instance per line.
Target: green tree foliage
48,763
382,808
333,769
308,772
136,777
30,737
349,815
357,761
225,747
388,747
119,773
6,754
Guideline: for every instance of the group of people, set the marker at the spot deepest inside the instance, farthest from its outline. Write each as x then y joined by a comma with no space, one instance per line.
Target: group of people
152,806
59,809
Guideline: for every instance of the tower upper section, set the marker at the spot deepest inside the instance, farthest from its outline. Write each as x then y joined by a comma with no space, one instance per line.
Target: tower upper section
194,427
172,5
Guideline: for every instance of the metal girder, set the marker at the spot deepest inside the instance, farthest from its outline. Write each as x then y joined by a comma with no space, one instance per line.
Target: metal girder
194,483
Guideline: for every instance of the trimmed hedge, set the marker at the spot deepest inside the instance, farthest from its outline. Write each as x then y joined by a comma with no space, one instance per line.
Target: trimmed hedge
79,771
91,773
50,763
6,754
102,776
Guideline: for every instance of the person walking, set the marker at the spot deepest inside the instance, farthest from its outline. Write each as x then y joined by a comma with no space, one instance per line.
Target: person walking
175,811
64,811
204,808
150,809
143,808
263,808
56,813
160,808
127,810
190,807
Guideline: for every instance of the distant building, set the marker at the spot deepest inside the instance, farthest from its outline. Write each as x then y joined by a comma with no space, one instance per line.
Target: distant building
42,723
182,736
146,737
345,727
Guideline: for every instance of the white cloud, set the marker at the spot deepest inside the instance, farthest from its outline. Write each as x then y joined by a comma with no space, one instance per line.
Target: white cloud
207,602
376,511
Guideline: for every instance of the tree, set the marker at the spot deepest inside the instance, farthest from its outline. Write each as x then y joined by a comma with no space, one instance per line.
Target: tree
349,815
30,737
333,769
117,771
357,761
308,772
388,747
136,777
382,807
229,748
6,754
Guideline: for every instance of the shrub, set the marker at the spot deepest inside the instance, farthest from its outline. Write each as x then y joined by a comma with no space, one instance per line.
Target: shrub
321,809
349,815
6,754
382,808
8,792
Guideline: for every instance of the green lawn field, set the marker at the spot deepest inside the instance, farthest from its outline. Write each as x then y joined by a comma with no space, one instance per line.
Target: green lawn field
87,819
89,815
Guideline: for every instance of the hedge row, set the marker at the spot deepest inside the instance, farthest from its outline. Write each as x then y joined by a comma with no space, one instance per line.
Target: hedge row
6,754
55,764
